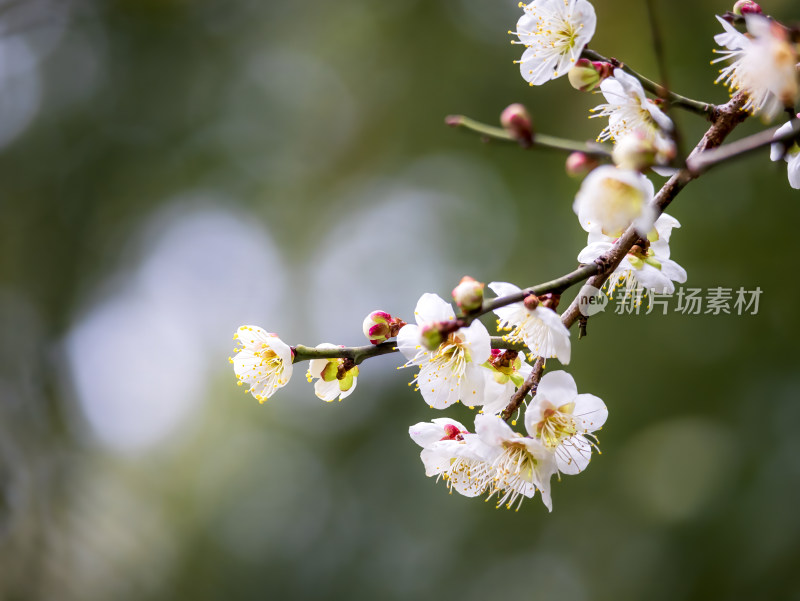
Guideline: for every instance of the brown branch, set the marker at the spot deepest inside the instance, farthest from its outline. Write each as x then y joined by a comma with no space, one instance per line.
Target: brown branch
528,386
726,118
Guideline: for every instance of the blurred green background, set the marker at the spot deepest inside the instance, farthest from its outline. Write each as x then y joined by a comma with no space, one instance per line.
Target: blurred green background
172,169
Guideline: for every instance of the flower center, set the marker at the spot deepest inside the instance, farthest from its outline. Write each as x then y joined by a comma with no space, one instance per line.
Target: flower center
557,425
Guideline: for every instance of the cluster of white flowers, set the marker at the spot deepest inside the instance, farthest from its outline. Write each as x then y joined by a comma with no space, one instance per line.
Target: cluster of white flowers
559,423
453,353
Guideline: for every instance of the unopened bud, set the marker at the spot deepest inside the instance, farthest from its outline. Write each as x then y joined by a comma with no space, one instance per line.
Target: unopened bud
550,300
587,75
635,151
746,7
468,294
531,302
430,336
379,325
579,164
516,120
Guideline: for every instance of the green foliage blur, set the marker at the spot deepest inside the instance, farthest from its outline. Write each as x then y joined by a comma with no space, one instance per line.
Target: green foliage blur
172,169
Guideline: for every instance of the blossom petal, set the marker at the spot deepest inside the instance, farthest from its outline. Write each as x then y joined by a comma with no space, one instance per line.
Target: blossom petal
591,410
432,307
408,341
558,387
573,455
479,341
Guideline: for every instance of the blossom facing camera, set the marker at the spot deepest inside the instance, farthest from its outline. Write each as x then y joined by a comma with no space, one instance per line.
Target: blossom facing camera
554,33
791,155
468,294
611,199
335,377
521,465
262,361
564,421
451,371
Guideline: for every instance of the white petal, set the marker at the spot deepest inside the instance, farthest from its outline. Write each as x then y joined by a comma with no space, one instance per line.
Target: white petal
408,341
594,250
776,150
473,385
591,410
504,288
558,387
327,391
794,172
432,307
492,430
573,455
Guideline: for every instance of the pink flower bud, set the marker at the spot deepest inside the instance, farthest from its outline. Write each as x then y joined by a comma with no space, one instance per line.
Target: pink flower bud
468,294
516,120
746,7
379,325
586,75
580,164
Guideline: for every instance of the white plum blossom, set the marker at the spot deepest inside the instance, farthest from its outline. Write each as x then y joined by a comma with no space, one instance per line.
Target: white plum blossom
334,377
791,155
520,465
540,329
453,372
554,33
763,65
507,371
449,451
610,199
630,111
647,265
263,361
561,419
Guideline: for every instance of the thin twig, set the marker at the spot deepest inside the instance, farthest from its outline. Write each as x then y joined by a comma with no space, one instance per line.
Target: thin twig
357,354
540,140
695,106
528,387
704,161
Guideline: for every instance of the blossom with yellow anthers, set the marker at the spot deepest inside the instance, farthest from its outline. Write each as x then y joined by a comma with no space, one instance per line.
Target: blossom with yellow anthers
554,33
647,267
564,421
763,65
262,361
453,371
539,328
